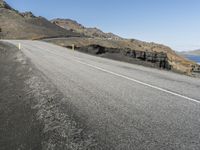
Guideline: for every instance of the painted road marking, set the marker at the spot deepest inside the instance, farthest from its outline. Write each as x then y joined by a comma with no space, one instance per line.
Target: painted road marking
137,81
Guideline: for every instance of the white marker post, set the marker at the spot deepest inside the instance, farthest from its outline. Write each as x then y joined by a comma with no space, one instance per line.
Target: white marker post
19,46
73,47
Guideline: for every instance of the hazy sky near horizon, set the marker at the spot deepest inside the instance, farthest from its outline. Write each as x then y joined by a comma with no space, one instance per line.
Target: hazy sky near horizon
175,23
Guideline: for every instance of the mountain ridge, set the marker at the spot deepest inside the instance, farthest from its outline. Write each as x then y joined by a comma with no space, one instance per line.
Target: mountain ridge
94,32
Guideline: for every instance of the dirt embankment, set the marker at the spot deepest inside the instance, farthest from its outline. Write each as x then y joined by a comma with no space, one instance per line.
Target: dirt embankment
132,51
33,113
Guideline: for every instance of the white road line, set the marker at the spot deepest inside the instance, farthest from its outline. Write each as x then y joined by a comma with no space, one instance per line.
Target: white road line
137,81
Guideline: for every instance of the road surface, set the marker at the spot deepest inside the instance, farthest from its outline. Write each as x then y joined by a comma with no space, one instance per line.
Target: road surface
125,106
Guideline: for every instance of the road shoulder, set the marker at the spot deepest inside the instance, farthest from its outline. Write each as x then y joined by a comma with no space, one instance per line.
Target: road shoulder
32,114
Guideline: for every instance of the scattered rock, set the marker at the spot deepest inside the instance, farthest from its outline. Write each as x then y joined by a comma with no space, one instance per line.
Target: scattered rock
28,15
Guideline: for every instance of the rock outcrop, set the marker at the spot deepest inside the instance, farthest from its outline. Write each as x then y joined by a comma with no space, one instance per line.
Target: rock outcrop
157,59
28,15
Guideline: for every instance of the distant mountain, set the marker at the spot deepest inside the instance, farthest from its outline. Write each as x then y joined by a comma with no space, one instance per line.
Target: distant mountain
193,52
27,26
89,32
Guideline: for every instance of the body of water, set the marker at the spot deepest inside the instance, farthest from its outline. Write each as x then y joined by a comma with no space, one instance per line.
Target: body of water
193,58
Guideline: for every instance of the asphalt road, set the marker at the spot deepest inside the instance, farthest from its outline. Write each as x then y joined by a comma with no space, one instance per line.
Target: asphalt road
125,106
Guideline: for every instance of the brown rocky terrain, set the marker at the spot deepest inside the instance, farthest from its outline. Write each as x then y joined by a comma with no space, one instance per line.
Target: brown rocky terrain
144,51
149,54
66,32
15,25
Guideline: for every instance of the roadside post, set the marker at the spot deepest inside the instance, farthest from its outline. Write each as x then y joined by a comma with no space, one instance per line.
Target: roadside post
73,47
19,46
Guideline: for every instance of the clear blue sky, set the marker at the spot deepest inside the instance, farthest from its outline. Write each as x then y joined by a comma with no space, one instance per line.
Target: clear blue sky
172,22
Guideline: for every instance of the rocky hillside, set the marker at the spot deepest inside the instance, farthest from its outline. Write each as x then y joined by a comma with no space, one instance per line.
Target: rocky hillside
89,32
149,52
27,26
66,32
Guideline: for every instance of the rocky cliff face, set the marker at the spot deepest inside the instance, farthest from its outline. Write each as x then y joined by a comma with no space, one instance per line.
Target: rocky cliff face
156,59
